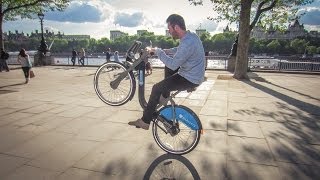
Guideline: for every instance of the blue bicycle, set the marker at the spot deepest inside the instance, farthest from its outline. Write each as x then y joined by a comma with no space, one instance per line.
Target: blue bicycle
176,128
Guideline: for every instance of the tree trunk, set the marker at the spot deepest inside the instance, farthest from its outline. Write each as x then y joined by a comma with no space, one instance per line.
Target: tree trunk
241,67
1,31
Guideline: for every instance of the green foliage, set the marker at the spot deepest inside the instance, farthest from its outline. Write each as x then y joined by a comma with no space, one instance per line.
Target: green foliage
218,43
59,45
299,45
274,46
312,49
13,9
277,12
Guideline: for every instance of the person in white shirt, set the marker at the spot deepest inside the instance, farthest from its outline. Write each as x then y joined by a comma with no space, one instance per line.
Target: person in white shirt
24,60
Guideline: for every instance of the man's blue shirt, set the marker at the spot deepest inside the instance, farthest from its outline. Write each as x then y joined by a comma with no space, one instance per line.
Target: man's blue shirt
189,56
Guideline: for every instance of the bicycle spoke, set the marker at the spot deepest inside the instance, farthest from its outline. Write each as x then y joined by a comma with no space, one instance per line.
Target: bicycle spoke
103,78
180,143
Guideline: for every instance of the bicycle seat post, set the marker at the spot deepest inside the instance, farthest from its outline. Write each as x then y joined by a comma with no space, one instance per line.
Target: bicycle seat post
173,104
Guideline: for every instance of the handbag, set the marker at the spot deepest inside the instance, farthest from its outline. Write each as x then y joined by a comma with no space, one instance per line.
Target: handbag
32,74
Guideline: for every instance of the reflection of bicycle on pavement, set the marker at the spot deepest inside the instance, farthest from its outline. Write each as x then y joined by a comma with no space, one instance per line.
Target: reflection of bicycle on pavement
170,166
176,128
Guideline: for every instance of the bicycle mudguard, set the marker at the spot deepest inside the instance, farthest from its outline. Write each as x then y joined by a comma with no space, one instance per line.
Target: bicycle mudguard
183,115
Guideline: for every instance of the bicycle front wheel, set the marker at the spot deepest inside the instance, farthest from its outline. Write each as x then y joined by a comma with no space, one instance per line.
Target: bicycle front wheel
114,95
184,138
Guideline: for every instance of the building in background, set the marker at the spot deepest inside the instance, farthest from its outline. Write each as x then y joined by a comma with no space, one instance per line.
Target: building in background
140,32
114,34
21,37
199,32
293,31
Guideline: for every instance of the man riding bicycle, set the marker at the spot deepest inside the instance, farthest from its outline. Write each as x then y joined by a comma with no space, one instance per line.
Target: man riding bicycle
183,71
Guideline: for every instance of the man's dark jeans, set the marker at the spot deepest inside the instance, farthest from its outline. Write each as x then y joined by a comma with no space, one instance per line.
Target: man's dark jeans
173,81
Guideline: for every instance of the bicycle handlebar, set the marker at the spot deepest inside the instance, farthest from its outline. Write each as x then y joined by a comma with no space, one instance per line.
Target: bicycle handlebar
134,53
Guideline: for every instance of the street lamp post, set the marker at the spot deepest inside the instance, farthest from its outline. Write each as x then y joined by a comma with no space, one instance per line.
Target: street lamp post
43,46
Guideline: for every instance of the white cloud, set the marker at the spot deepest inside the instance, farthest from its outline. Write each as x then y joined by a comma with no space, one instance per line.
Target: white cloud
98,17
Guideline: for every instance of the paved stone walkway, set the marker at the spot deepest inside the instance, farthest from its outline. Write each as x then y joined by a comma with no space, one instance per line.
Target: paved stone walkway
56,127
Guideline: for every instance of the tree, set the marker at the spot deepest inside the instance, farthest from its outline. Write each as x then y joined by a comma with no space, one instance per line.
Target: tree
60,45
10,10
299,45
221,43
205,38
312,49
274,46
248,13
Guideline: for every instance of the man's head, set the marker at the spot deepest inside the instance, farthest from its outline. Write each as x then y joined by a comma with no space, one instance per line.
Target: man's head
176,25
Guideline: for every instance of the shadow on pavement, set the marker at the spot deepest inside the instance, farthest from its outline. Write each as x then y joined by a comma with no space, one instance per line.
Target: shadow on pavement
169,166
260,79
17,84
6,91
306,107
292,134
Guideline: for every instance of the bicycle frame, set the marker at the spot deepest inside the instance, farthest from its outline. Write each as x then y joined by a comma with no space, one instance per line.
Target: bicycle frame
138,64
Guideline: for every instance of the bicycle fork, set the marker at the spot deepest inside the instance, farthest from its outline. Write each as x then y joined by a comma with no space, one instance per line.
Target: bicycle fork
169,127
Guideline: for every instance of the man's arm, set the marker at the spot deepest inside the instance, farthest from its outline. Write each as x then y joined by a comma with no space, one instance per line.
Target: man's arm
182,53
171,50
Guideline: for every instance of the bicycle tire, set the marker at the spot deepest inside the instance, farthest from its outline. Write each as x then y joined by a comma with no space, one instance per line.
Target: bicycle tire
189,124
104,75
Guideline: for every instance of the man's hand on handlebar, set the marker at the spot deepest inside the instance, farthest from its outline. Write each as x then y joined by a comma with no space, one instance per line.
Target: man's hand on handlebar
151,50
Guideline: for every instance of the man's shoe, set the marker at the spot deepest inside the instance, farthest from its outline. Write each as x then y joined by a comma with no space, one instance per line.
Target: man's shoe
139,124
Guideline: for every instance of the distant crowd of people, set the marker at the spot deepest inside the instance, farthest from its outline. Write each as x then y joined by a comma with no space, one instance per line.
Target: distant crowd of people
82,54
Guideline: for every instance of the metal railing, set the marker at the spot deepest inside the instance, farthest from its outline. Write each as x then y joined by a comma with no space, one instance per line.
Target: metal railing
212,62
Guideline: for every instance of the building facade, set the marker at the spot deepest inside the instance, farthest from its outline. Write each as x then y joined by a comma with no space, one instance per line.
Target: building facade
293,31
114,34
199,32
21,37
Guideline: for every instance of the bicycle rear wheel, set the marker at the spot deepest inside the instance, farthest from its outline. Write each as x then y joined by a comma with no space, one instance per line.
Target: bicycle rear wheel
187,136
114,96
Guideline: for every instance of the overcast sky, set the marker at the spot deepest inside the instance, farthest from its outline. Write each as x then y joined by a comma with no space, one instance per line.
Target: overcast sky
97,17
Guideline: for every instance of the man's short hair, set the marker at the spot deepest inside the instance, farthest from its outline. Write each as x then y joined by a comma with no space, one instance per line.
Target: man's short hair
175,19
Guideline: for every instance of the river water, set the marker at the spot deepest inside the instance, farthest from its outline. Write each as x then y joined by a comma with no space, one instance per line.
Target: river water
97,61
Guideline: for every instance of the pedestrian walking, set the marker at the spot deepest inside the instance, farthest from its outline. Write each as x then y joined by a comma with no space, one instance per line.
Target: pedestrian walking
108,55
74,56
116,56
82,56
24,60
3,60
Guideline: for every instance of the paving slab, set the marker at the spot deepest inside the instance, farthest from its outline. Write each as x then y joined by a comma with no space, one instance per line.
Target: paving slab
55,127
